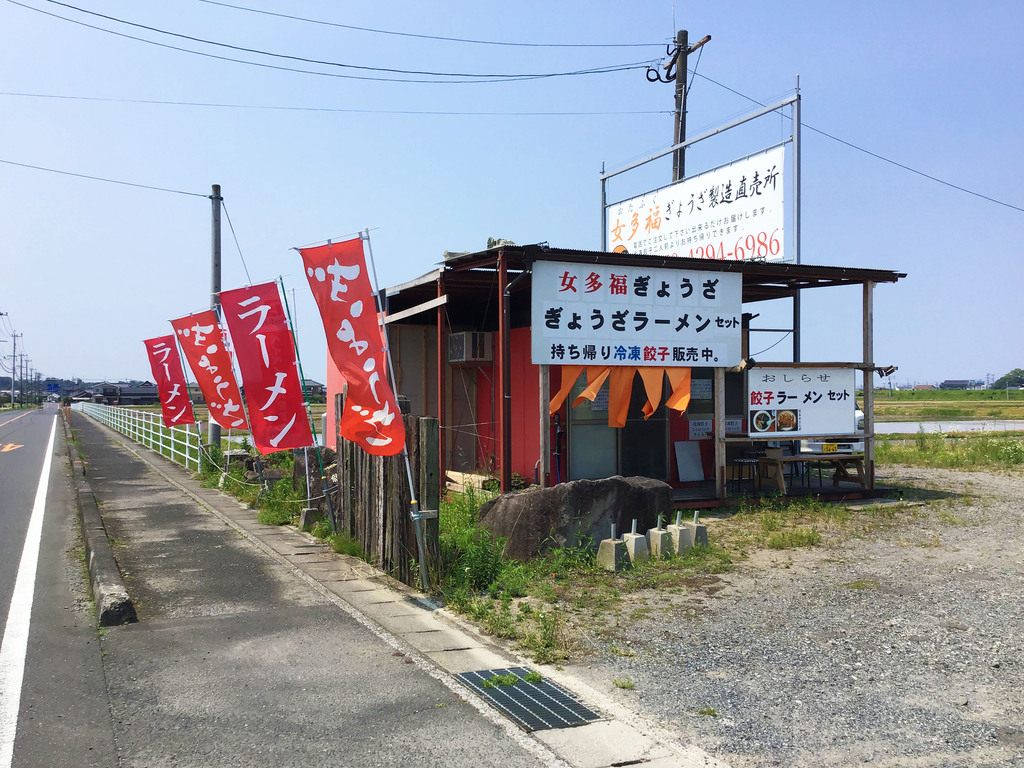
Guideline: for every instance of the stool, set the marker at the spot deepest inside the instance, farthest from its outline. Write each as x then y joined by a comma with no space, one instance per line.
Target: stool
745,469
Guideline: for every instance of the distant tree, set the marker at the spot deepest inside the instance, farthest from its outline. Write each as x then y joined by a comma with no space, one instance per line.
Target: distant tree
1014,378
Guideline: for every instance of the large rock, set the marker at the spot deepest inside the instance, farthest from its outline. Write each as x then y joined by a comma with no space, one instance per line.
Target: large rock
537,520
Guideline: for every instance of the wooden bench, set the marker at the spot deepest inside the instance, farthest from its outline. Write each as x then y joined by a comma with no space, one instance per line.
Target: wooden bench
772,468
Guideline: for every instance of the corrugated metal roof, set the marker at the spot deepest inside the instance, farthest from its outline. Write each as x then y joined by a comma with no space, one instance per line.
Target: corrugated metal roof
469,279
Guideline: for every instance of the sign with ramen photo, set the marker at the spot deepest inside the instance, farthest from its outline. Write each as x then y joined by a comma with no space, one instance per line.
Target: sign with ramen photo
784,402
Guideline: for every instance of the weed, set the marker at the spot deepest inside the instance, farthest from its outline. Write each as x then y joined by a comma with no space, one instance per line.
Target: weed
798,537
949,518
533,677
708,711
344,544
625,683
498,680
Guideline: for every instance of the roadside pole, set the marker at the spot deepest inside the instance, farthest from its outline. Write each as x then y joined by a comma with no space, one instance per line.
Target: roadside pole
213,428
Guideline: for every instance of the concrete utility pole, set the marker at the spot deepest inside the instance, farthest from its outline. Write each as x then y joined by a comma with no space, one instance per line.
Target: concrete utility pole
683,50
14,365
213,428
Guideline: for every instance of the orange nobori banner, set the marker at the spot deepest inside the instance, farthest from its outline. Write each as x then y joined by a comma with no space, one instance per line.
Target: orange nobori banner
202,342
266,360
170,381
341,286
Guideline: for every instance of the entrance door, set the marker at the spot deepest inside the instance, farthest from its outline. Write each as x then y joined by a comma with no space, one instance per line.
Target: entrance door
597,450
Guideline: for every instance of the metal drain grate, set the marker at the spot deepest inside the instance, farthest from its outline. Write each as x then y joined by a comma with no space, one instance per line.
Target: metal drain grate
531,706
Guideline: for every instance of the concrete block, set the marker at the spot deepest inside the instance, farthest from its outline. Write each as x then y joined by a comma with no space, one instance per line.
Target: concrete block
682,538
309,517
659,543
612,555
698,533
636,547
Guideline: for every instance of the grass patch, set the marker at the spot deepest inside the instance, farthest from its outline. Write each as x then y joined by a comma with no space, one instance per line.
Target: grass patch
794,538
625,683
708,711
977,451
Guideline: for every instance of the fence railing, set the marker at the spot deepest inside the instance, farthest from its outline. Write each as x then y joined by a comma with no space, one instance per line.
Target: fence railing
179,444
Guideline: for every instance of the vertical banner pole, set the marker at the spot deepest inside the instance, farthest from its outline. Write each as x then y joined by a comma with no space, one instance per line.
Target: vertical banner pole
414,507
213,428
309,414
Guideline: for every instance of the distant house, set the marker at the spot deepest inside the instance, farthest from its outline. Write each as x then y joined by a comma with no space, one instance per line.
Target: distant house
924,386
121,393
957,384
314,387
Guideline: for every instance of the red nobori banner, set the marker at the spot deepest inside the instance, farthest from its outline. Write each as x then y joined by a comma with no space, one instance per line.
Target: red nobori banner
337,276
266,359
170,381
202,342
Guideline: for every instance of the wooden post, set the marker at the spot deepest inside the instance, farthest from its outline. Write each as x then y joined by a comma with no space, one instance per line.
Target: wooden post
430,489
719,433
869,384
504,378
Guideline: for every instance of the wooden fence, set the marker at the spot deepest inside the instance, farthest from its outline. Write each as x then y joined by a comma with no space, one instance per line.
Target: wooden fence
373,501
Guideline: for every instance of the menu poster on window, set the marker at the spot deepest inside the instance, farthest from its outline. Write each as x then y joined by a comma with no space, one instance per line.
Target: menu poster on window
786,402
701,429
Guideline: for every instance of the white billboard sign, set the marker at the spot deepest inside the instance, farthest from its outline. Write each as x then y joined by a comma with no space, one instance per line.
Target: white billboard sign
788,402
604,314
733,213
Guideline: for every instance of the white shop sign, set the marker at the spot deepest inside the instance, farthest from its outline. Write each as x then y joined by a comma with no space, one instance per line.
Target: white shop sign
600,314
788,402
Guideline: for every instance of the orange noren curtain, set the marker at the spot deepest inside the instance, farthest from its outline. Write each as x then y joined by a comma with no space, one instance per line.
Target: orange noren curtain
569,375
679,378
654,379
620,389
595,378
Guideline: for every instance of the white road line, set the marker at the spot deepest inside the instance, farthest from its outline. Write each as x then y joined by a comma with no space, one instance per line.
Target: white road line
15,639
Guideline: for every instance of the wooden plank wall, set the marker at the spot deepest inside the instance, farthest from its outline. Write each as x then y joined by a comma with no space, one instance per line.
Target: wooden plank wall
373,504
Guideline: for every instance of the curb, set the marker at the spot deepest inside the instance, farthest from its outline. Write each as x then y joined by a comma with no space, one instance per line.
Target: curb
113,605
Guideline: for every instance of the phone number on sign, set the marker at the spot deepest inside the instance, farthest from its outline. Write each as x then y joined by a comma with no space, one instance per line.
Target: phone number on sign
759,246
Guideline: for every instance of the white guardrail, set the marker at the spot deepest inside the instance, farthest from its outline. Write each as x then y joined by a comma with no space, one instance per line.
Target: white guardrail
179,444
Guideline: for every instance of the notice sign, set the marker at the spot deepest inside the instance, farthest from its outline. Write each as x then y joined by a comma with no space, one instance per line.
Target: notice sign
786,402
601,314
735,212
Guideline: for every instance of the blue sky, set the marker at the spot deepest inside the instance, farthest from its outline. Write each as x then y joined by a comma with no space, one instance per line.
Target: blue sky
89,269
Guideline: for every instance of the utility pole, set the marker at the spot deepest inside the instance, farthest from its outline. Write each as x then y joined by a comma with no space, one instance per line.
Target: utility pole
213,428
682,51
14,365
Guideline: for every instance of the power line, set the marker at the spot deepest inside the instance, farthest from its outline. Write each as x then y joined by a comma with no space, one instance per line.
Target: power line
453,77
101,178
342,110
875,155
431,37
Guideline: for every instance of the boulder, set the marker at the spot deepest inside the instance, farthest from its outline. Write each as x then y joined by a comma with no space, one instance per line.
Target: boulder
580,512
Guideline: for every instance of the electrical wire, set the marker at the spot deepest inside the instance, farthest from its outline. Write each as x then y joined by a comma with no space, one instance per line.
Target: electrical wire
431,37
875,155
237,246
467,77
101,178
782,339
343,110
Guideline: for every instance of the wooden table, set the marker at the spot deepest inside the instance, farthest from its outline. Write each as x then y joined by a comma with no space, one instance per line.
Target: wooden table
843,463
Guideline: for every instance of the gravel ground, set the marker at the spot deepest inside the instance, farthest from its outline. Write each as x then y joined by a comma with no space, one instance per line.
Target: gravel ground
903,648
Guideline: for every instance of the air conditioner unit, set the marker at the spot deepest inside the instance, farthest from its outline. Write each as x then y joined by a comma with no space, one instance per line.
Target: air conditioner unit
470,347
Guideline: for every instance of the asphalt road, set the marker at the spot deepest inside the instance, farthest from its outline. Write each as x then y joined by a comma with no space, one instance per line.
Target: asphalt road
235,661
52,697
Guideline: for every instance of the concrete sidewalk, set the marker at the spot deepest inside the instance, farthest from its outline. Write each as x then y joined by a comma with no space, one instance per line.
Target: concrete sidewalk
404,621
